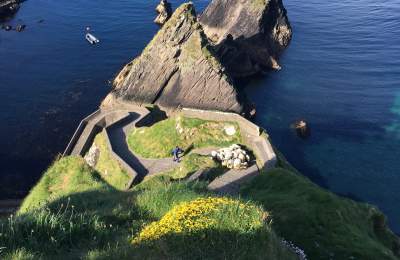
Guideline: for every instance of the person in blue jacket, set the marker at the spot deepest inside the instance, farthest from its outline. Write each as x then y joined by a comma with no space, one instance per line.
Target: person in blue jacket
176,152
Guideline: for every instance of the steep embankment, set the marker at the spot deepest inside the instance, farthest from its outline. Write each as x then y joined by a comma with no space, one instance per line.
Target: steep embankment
80,212
177,68
73,213
248,35
325,225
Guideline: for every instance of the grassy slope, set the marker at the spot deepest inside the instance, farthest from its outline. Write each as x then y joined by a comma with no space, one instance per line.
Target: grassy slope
85,217
323,224
109,169
158,140
67,176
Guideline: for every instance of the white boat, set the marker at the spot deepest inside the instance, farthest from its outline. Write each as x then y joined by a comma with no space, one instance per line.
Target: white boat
91,38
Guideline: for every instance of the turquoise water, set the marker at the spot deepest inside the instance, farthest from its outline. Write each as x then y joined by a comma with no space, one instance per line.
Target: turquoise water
341,73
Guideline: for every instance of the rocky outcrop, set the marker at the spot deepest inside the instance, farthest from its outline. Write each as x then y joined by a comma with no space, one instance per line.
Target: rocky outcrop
233,157
164,11
177,68
249,35
8,7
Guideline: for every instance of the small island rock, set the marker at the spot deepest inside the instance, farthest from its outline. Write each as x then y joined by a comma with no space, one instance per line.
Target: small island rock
164,11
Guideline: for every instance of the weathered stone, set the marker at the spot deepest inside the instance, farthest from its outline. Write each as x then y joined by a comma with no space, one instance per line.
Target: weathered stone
230,130
92,156
232,157
237,163
228,155
178,69
248,35
164,11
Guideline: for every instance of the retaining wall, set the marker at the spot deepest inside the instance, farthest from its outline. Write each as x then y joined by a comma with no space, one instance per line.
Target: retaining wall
245,125
78,132
90,126
128,168
251,134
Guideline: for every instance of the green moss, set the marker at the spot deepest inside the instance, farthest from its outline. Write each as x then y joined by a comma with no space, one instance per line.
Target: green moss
323,224
158,140
258,5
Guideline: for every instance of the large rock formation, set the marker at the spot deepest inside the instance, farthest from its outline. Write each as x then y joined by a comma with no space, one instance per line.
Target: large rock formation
248,35
177,68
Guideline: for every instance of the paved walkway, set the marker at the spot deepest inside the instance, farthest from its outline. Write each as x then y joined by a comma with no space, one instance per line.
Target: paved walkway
143,166
121,119
231,181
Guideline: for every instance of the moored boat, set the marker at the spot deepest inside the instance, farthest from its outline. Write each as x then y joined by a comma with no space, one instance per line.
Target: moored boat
91,38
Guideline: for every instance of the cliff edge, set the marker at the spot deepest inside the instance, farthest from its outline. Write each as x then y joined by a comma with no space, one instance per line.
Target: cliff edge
248,35
178,68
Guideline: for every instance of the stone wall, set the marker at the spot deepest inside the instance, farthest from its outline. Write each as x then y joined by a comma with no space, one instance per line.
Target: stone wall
103,119
245,125
78,132
251,134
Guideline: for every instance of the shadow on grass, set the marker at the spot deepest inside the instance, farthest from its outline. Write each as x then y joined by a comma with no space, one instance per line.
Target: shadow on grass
98,219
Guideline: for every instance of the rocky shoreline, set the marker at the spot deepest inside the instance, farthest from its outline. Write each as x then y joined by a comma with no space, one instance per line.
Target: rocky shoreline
8,7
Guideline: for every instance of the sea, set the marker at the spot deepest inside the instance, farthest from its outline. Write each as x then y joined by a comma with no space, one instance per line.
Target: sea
341,74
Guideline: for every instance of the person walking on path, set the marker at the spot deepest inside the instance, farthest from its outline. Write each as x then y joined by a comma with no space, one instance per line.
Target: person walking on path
176,152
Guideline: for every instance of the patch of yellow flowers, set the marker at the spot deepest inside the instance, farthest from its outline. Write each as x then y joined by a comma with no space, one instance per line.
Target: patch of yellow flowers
196,215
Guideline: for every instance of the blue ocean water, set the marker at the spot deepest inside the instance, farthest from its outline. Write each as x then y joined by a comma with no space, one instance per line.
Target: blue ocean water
341,73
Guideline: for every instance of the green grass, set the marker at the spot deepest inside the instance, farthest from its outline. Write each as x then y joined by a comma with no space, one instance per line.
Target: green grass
73,213
67,176
321,223
109,169
158,140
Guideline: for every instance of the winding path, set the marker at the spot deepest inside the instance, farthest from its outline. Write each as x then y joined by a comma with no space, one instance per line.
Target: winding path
143,166
118,121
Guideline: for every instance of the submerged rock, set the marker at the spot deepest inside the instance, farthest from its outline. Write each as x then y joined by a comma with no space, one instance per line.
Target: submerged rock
164,11
302,129
177,69
248,35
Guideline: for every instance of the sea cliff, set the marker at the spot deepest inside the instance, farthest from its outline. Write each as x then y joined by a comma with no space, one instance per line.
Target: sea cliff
83,209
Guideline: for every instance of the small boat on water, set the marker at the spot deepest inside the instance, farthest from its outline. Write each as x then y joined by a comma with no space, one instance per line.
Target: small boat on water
91,38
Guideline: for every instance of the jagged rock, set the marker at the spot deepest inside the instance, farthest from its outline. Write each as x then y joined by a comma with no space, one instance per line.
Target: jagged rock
92,156
177,69
233,157
248,35
164,11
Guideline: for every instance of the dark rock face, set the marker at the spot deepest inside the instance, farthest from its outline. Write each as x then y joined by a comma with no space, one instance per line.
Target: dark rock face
248,35
177,68
8,8
164,11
